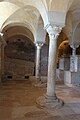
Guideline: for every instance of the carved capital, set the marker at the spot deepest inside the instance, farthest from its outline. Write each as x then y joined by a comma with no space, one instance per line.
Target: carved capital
39,45
53,31
74,46
1,34
2,41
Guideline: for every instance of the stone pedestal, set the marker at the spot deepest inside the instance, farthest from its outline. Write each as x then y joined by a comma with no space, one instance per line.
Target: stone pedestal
61,63
72,76
64,67
64,63
67,78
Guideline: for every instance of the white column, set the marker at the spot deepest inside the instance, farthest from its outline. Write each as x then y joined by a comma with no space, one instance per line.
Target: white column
53,34
74,51
73,58
50,100
0,60
38,60
73,46
2,45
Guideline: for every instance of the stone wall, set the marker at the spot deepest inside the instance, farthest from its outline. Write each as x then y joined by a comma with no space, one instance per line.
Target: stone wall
18,69
20,58
44,60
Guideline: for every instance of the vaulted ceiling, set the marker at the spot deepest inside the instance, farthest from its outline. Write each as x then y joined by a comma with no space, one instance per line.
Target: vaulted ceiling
31,14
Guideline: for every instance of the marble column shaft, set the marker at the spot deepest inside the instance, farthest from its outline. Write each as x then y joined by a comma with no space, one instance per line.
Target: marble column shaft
53,34
38,60
74,51
2,45
0,62
73,46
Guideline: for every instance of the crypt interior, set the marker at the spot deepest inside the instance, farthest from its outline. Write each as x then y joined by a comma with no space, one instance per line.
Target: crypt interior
39,59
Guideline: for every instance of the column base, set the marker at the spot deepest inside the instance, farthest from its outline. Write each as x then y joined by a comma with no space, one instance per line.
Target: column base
49,102
38,80
39,83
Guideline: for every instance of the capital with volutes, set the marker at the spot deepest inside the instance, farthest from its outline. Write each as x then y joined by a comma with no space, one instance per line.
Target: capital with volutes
53,30
74,46
39,45
2,41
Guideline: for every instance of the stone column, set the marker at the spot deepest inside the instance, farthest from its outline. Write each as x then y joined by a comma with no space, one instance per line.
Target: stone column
3,44
51,100
0,61
73,58
38,61
74,49
53,34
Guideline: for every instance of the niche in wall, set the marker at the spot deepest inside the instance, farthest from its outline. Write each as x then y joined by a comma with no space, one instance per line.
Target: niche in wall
19,57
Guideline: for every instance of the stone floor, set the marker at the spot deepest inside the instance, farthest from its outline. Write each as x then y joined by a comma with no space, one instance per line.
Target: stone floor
18,102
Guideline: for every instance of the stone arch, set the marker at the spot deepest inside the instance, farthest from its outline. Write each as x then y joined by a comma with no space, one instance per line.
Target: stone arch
76,26
76,33
41,9
26,12
62,45
19,17
68,26
61,48
60,5
62,37
40,36
26,26
38,5
6,9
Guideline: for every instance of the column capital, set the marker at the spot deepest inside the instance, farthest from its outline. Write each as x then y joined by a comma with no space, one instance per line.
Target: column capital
2,41
53,30
1,34
39,44
74,46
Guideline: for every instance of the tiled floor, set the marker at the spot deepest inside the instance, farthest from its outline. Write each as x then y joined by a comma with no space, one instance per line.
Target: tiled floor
18,102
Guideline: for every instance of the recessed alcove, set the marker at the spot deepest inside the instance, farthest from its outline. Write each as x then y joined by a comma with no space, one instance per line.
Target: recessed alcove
9,77
26,77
